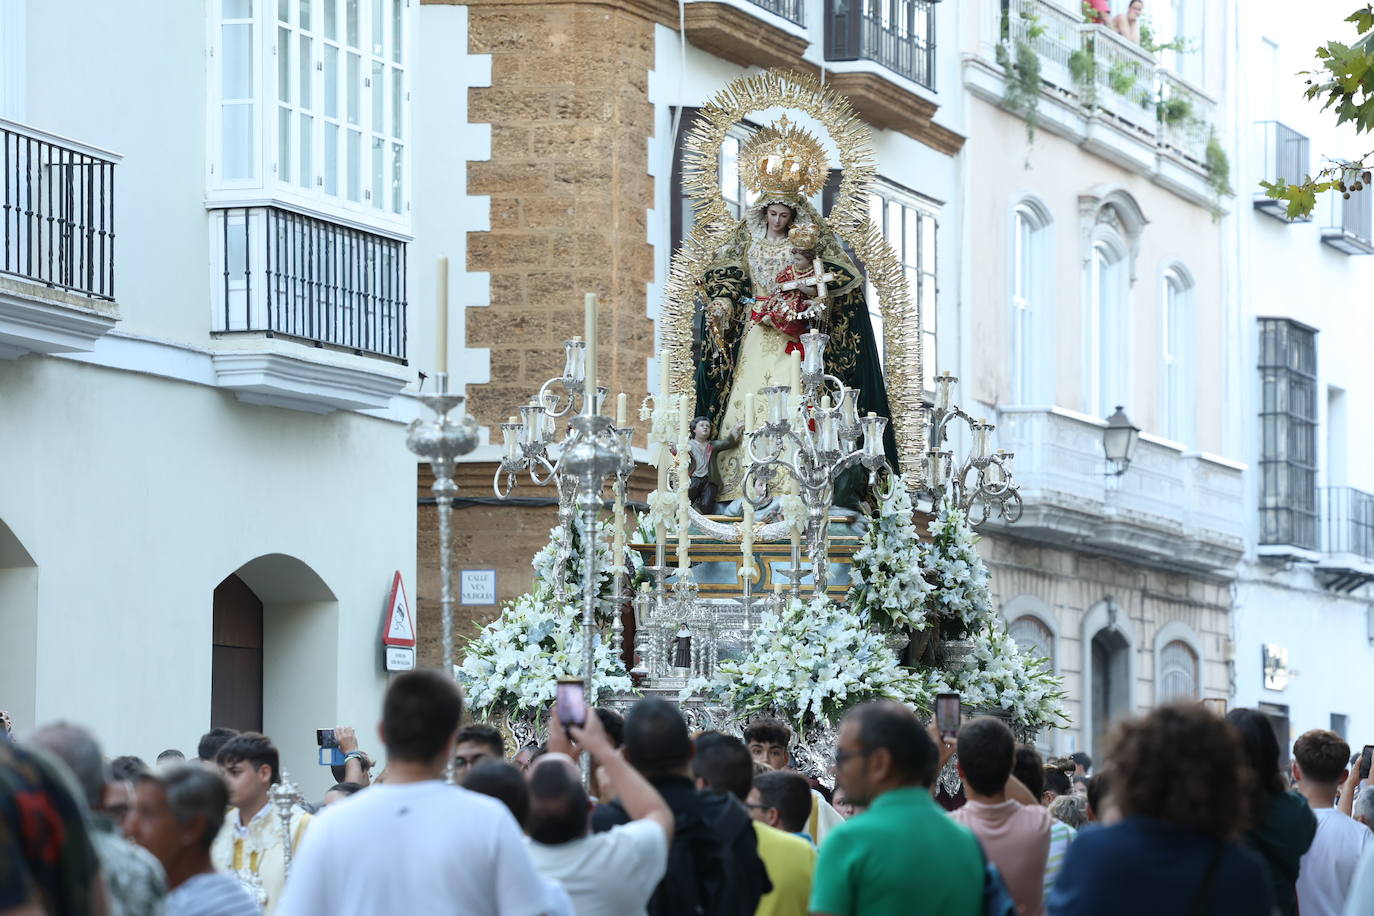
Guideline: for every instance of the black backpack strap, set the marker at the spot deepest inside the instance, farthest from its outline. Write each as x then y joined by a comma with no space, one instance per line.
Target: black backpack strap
1202,898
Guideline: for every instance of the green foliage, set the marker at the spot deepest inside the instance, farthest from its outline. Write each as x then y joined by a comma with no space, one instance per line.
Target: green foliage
1218,173
1175,111
1083,69
1022,95
1147,40
1122,78
1345,80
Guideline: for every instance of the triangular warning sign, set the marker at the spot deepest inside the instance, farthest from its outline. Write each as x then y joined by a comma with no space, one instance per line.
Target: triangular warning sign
398,627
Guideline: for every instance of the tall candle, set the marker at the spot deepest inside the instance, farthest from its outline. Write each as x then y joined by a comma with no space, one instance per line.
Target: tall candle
747,538
684,458
665,381
441,318
749,424
589,332
622,410
796,372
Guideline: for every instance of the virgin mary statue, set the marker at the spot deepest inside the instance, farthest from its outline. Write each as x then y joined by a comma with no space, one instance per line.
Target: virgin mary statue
749,322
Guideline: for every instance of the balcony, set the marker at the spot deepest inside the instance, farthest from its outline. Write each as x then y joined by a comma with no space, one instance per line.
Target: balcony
897,34
1347,538
1171,508
1287,155
791,10
56,243
1101,91
1349,228
310,314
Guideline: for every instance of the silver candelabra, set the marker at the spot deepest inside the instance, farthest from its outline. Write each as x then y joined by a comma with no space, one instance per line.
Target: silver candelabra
982,485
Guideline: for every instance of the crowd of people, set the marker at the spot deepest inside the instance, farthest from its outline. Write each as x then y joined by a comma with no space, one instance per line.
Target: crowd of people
1187,813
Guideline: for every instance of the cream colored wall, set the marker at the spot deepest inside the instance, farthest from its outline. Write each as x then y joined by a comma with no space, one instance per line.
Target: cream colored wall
1176,231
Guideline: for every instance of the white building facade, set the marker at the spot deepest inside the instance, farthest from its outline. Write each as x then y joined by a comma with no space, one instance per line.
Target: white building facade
1304,628
204,487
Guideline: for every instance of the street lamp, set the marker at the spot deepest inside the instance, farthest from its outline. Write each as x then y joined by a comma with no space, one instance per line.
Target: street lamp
1118,441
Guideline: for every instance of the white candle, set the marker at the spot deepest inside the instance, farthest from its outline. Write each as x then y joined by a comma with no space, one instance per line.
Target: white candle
684,458
441,318
749,423
665,372
619,545
622,410
796,372
589,332
747,538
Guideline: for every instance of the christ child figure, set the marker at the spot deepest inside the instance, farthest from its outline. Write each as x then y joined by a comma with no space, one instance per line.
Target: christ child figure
704,485
788,308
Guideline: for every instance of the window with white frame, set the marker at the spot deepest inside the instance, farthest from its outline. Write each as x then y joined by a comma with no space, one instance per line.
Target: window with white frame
321,88
1030,305
1178,672
1107,354
1176,335
1032,637
909,225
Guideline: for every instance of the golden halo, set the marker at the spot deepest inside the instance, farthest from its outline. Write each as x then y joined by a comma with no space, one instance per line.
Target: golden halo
796,158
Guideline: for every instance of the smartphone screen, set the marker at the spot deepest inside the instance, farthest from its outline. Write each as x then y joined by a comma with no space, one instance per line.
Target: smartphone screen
947,714
324,737
1365,756
572,702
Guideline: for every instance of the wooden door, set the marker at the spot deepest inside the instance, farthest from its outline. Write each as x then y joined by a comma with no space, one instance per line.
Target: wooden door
236,666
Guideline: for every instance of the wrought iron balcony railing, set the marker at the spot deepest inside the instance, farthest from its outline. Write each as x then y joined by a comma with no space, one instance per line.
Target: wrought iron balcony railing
898,34
291,275
1287,155
1350,229
1348,522
790,10
56,212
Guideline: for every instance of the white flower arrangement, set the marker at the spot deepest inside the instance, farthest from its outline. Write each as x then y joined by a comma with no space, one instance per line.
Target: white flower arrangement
958,598
512,666
997,675
793,511
810,662
887,584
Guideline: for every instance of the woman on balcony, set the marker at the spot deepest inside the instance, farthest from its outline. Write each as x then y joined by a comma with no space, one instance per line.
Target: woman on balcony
1127,24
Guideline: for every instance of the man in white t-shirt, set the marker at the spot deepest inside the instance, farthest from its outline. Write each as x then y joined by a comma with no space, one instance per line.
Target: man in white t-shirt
1328,866
605,874
414,844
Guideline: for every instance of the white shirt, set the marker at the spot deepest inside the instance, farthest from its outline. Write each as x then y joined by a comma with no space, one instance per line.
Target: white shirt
1360,901
413,849
1328,866
608,874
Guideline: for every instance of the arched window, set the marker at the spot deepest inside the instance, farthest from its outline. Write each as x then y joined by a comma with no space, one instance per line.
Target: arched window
1178,672
1108,356
1031,302
1033,637
1176,366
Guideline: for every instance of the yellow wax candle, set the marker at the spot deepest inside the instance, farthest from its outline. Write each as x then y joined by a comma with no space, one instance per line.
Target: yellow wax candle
589,331
441,318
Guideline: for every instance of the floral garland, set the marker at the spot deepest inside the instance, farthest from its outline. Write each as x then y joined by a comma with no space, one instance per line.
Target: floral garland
958,598
810,662
887,585
511,667
998,675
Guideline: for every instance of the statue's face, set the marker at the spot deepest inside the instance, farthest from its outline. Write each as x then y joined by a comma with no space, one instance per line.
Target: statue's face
778,217
703,429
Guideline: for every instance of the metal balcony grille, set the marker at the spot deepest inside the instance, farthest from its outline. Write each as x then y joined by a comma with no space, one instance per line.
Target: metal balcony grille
899,34
787,9
1348,522
1287,155
1288,429
297,276
1351,228
56,214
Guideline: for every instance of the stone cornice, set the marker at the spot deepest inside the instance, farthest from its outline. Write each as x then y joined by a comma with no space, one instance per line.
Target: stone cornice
734,35
884,104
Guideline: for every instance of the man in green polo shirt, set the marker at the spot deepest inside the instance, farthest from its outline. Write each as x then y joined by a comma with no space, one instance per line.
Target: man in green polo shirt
904,855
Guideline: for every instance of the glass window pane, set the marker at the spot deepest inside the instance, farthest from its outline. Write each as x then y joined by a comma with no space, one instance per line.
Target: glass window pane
236,69
351,16
875,211
284,64
378,96
331,18
397,29
306,139
284,144
729,170
331,81
929,307
910,243
331,158
354,159
305,14
397,161
893,230
378,27
237,140
238,9
304,94
397,103
378,170
353,87
284,10
928,245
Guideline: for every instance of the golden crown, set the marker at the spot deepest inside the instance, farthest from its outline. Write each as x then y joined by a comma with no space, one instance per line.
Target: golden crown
803,238
783,161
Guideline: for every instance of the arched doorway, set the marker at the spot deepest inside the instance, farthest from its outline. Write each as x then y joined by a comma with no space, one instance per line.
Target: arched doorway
18,630
1111,681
